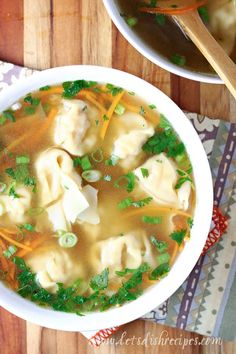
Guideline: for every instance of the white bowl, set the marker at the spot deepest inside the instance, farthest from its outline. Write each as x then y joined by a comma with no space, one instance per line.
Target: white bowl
151,54
185,262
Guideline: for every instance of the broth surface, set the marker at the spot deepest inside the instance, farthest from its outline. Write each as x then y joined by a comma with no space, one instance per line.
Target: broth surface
129,225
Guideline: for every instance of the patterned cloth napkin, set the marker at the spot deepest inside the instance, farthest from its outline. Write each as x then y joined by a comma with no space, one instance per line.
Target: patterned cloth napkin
206,301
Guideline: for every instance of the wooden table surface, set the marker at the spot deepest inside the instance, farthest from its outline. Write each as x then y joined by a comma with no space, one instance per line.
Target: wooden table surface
47,33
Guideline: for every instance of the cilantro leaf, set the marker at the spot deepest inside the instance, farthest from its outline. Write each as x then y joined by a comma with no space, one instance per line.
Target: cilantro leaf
129,180
72,88
125,203
113,90
100,281
178,236
160,271
152,219
161,246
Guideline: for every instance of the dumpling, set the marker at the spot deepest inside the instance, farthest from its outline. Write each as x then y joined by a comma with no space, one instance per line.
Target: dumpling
54,265
90,215
75,127
132,131
118,252
161,181
222,18
15,208
61,192
51,165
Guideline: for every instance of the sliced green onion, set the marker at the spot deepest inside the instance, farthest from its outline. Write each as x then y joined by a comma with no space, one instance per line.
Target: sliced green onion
10,251
132,21
120,109
68,240
85,163
35,211
61,233
107,178
3,187
97,155
112,161
24,159
92,175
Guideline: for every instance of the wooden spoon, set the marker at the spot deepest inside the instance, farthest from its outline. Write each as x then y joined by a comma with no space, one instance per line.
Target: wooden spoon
192,24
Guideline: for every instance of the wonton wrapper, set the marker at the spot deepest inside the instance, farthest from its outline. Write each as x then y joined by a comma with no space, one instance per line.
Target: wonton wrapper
161,181
222,21
131,131
75,129
61,192
120,252
15,208
52,265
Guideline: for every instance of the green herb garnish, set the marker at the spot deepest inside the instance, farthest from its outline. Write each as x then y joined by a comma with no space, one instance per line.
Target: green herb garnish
164,141
160,271
100,281
184,177
178,236
113,90
145,172
72,88
152,219
127,202
126,181
161,246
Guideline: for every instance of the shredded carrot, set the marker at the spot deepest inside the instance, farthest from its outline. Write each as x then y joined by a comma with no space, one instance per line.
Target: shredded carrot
37,242
110,113
3,259
9,231
93,100
51,91
153,208
18,244
172,11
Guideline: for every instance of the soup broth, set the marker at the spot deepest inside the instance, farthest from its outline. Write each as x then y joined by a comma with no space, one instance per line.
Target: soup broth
96,196
163,36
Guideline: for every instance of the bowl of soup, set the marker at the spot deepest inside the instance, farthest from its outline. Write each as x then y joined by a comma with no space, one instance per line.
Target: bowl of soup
162,42
105,198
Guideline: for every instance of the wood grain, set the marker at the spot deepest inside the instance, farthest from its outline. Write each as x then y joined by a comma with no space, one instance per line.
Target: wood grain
80,32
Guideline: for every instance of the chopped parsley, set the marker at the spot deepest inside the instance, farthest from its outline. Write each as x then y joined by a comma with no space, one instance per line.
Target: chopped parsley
164,141
161,246
45,88
178,236
100,281
184,177
72,88
113,90
152,106
33,101
127,202
145,172
160,271
10,251
69,300
153,220
178,59
7,115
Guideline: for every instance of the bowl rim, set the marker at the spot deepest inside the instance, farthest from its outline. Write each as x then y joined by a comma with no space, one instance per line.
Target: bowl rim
151,54
185,262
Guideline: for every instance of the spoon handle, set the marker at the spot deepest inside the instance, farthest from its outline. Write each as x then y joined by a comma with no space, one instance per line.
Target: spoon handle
213,52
